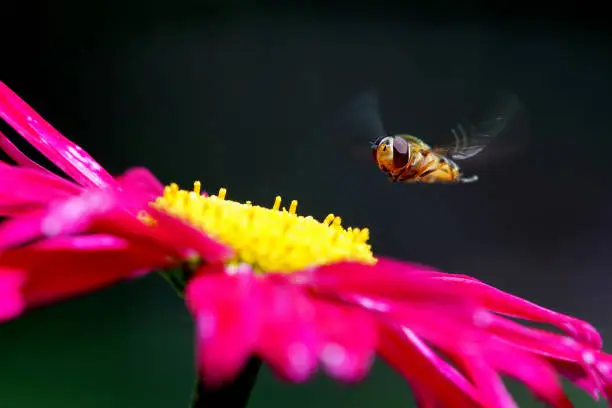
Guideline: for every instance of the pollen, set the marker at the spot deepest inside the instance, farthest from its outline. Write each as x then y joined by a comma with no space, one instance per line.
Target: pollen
273,239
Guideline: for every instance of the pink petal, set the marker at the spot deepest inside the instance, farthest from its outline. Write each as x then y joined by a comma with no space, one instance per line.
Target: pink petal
346,355
19,230
227,312
470,288
112,211
77,214
566,355
451,331
14,153
578,375
54,273
93,242
12,303
379,281
24,187
505,303
168,233
534,340
66,155
142,180
603,366
289,340
537,374
12,208
69,216
413,268
488,382
443,325
171,230
404,351
423,398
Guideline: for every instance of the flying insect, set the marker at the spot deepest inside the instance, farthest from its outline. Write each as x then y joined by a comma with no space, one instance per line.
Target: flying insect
408,159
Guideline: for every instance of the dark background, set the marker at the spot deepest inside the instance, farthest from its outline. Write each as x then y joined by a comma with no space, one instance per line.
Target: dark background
235,94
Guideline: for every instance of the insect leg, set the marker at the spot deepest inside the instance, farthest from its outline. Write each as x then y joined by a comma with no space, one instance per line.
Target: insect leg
470,179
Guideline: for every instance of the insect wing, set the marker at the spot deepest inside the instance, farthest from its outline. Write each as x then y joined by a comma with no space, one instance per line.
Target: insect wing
363,117
468,143
471,139
360,121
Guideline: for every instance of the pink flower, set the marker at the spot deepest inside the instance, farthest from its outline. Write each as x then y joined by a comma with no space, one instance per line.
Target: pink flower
342,315
296,292
63,237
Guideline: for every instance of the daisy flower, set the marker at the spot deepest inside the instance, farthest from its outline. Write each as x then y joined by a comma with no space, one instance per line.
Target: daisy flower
295,292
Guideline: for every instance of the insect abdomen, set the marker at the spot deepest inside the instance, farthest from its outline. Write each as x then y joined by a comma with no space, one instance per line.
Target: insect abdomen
429,167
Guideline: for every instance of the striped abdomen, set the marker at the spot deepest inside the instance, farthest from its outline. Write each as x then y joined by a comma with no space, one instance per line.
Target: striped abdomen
425,166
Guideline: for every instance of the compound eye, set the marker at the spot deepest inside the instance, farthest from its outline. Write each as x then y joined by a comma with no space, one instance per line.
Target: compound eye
401,152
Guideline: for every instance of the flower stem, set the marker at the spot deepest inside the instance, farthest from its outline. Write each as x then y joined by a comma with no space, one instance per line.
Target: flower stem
176,278
232,395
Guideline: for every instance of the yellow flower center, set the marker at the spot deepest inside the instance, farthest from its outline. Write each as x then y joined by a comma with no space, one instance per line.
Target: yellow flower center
270,240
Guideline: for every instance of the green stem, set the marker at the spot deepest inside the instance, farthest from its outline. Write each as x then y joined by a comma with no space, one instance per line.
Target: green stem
177,279
232,395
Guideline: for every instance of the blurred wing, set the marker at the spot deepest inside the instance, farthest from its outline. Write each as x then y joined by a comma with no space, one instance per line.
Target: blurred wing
363,116
470,139
351,128
359,122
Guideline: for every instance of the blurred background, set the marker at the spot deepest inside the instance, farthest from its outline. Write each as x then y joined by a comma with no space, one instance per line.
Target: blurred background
238,95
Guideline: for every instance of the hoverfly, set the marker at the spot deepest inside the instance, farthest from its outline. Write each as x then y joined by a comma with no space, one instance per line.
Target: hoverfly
408,159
